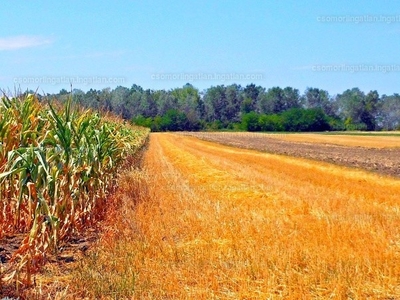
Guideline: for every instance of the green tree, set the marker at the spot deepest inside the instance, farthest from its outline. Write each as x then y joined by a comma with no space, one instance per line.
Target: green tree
368,116
299,120
271,101
270,122
174,120
148,105
277,100
317,98
250,97
358,110
215,104
120,99
234,99
388,112
250,122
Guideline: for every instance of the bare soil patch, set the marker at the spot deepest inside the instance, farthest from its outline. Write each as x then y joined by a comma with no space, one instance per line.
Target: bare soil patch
383,161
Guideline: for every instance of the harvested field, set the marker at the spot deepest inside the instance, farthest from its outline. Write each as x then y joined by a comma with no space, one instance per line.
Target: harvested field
383,161
217,222
367,141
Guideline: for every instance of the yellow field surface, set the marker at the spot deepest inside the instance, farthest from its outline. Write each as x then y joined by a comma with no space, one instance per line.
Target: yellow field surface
216,222
345,140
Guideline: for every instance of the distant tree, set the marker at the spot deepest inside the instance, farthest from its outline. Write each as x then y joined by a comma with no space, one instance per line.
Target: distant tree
317,98
92,99
291,98
234,99
252,91
250,122
358,110
252,107
136,89
247,106
63,92
294,119
250,97
105,98
148,105
277,100
120,99
368,116
189,101
299,119
388,112
174,120
142,121
135,99
215,104
79,97
165,101
271,101
270,123
62,96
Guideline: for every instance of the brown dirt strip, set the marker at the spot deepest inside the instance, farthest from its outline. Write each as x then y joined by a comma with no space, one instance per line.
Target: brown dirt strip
383,161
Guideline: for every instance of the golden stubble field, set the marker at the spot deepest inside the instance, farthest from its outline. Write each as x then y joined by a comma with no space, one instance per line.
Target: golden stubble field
217,222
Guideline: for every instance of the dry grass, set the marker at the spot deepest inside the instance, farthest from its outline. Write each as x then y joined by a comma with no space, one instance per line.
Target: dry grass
216,222
344,140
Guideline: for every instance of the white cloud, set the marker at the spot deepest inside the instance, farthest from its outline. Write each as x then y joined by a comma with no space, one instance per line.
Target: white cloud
22,41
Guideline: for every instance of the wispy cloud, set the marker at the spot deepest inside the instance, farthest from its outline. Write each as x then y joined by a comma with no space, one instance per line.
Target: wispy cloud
22,41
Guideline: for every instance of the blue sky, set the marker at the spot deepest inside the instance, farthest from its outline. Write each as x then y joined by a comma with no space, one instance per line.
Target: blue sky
162,45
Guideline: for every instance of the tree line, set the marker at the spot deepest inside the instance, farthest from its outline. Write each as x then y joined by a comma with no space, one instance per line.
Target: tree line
250,108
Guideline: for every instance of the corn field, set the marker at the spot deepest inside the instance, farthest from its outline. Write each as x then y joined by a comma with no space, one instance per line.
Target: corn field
57,166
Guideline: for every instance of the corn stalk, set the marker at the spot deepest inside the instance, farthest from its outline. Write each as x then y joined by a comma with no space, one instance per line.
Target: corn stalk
57,166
